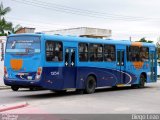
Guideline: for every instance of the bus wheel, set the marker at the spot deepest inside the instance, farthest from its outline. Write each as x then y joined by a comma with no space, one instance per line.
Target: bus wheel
90,85
142,81
14,88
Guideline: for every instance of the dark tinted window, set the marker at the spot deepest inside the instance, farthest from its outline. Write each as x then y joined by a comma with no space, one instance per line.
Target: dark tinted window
72,57
54,51
120,58
83,52
133,53
96,52
144,53
67,57
109,53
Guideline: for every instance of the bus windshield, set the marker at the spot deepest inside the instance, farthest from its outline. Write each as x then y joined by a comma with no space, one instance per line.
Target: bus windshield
23,45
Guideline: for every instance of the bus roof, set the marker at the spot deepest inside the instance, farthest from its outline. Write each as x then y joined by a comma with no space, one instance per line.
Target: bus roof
81,39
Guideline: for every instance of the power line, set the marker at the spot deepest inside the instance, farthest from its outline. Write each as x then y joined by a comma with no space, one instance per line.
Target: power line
76,11
39,25
37,22
44,25
50,7
94,12
86,11
35,25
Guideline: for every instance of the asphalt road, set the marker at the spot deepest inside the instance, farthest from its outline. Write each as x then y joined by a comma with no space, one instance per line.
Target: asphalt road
121,100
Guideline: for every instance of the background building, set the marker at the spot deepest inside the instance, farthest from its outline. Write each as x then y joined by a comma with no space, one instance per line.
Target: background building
25,30
83,32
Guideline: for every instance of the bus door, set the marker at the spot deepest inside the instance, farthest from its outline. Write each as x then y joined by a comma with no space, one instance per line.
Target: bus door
70,68
120,66
152,66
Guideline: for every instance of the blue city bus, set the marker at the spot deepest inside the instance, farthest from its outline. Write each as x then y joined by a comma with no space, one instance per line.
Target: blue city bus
58,63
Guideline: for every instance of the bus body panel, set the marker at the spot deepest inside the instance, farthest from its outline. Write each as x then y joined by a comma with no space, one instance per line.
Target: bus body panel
104,76
22,66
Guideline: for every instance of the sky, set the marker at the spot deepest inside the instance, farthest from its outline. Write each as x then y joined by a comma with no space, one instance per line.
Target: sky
126,18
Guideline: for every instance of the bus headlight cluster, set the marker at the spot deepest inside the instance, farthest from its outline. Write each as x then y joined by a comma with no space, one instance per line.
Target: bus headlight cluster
6,75
38,74
37,77
5,72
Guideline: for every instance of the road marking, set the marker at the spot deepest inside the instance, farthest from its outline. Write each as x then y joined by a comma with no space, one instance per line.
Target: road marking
7,107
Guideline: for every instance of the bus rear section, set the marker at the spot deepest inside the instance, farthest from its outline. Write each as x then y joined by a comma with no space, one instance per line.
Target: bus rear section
22,66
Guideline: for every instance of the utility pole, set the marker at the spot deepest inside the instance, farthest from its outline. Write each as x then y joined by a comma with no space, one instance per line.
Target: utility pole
130,38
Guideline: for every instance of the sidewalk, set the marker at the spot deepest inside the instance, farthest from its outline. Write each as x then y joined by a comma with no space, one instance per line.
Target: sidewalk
4,87
1,73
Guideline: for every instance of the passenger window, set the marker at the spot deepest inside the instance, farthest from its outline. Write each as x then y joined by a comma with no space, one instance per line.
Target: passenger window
67,57
109,53
83,52
54,51
120,58
96,52
144,53
133,53
72,57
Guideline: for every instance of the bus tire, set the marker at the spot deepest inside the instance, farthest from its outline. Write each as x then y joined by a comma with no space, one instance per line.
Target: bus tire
14,88
142,81
90,85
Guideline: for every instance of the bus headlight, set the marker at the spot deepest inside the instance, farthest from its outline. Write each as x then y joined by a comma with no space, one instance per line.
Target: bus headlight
38,74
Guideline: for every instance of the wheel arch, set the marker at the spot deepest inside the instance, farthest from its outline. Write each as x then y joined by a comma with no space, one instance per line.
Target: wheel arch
93,75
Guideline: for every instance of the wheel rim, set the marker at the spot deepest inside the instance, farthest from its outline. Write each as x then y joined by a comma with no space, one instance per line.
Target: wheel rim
91,84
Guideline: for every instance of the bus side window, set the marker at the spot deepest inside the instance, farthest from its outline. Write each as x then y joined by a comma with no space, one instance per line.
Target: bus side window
54,51
72,57
109,53
133,53
67,57
83,52
96,52
144,53
58,51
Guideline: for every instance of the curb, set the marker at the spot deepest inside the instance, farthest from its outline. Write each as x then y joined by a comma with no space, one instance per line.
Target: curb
12,106
4,87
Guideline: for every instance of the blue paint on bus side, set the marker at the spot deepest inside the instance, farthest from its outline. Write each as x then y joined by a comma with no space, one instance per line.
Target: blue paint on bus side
57,78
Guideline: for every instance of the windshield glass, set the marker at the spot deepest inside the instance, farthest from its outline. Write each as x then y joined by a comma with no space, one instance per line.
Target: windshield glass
23,45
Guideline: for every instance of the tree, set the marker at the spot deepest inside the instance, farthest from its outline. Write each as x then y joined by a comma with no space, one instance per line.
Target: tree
150,41
14,29
3,11
4,25
144,40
